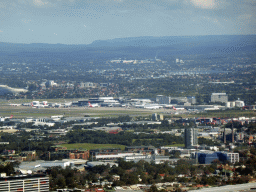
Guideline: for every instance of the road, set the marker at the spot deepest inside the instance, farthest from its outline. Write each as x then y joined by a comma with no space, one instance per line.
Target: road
228,188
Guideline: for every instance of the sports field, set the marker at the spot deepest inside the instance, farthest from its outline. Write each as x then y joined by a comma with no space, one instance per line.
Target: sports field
90,146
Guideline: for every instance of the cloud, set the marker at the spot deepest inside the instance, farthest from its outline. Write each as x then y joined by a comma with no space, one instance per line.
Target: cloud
1,31
204,4
39,2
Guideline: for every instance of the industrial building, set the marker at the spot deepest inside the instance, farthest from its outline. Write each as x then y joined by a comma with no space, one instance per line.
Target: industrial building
237,103
157,159
97,163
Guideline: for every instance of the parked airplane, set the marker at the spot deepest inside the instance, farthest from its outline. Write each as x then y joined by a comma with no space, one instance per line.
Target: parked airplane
38,104
15,105
3,118
9,117
139,106
177,108
93,105
153,106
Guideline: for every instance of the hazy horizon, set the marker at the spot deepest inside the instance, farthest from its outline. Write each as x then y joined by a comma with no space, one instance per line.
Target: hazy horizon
126,38
82,22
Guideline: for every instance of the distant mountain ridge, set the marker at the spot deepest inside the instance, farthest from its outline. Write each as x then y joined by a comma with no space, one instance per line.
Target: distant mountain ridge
173,40
132,45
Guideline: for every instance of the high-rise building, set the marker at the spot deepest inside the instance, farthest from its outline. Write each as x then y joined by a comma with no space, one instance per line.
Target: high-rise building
191,137
192,100
33,183
157,117
219,97
161,99
154,117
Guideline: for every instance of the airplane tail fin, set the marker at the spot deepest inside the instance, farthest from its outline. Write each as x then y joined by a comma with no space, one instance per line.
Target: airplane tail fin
90,105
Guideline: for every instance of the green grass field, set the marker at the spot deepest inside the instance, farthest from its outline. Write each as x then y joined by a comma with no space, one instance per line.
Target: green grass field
90,146
144,140
176,145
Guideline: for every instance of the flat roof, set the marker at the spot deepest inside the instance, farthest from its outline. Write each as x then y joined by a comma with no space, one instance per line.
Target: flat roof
22,177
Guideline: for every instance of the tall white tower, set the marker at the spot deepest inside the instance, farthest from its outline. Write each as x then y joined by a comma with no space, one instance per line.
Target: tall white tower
190,137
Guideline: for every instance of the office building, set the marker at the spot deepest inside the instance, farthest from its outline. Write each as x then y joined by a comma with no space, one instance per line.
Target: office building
233,157
208,158
157,117
190,137
161,99
219,97
192,100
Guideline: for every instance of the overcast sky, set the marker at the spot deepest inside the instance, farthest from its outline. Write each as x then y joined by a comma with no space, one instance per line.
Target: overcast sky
83,21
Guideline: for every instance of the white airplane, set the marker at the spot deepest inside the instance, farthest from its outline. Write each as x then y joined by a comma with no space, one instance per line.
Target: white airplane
176,109
93,105
15,105
152,107
38,104
139,106
3,118
66,105
26,104
58,105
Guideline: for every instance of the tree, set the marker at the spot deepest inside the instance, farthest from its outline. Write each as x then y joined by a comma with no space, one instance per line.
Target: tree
60,181
153,188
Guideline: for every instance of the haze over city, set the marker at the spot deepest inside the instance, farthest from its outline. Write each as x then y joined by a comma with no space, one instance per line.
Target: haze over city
82,22
127,95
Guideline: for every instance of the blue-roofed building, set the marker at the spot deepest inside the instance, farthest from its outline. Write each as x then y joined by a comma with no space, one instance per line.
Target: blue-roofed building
207,158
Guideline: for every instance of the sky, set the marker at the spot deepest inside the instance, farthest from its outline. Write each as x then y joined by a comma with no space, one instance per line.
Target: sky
84,21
